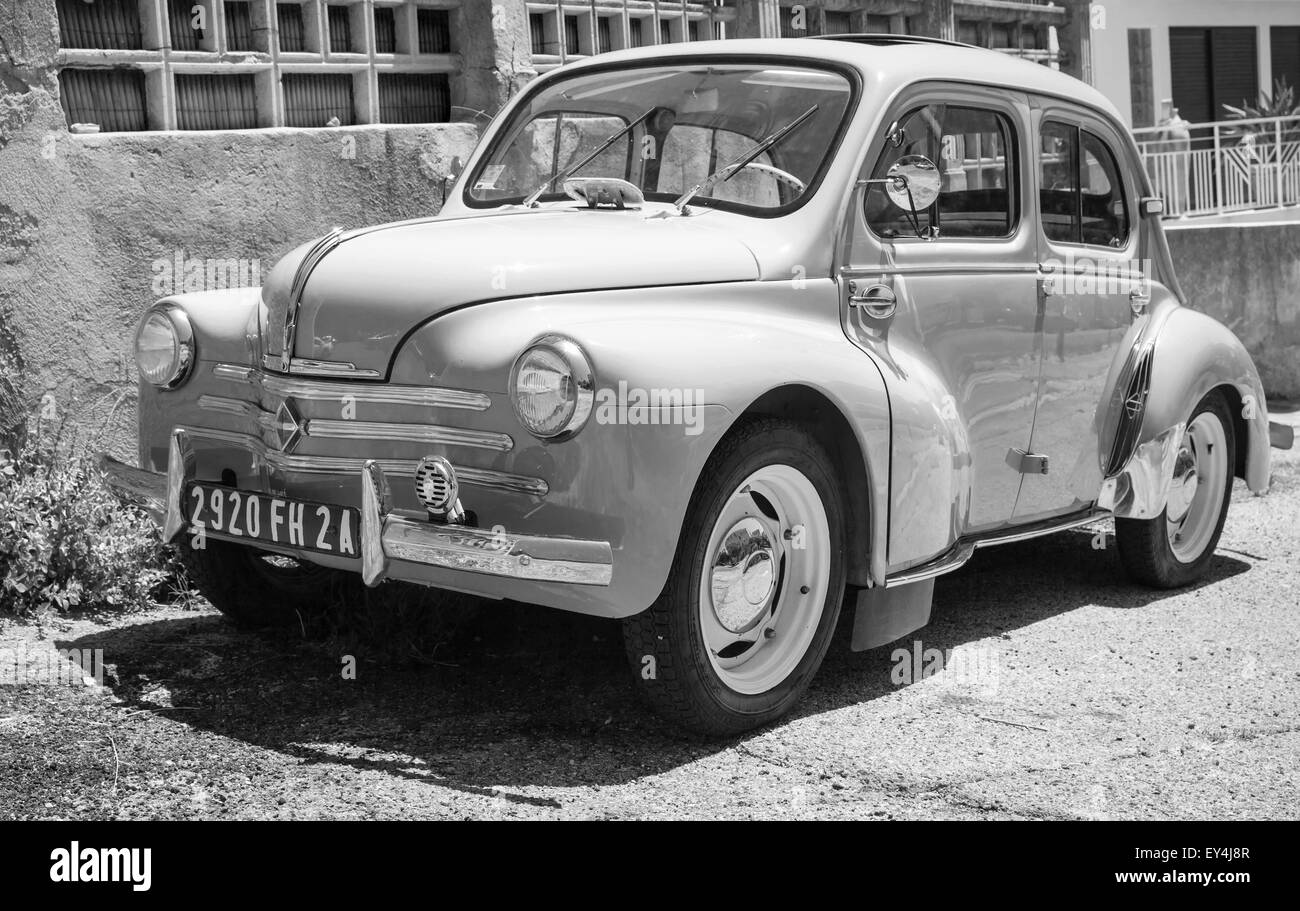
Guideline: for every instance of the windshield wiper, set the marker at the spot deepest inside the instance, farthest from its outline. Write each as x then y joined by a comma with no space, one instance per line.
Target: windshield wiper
729,170
563,174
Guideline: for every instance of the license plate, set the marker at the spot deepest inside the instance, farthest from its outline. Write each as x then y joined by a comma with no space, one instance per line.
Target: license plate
259,517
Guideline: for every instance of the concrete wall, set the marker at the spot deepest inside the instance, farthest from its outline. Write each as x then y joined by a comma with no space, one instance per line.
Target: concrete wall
1248,278
91,226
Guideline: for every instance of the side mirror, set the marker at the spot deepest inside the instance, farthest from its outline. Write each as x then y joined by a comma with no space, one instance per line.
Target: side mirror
912,183
1152,205
453,174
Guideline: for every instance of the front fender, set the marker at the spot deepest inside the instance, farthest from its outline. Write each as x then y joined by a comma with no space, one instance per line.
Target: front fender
224,323
724,345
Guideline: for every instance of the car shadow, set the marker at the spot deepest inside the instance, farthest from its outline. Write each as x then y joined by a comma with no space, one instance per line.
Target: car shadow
524,696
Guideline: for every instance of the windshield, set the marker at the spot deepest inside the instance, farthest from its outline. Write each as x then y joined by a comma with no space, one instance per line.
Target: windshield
680,124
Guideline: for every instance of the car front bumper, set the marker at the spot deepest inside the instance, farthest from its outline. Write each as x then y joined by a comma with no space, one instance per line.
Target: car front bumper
392,545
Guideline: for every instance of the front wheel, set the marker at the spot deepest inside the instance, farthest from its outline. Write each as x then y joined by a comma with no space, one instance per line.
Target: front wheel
755,588
1173,549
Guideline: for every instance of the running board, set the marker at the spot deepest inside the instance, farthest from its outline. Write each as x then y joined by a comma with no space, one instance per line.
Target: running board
957,555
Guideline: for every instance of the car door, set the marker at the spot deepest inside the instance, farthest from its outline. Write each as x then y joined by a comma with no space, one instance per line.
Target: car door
950,315
1088,244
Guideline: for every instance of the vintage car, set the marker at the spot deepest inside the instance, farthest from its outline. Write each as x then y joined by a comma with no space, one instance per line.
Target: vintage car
707,338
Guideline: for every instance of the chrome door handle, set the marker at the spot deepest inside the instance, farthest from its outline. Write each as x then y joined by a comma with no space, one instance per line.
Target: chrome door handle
1138,300
877,300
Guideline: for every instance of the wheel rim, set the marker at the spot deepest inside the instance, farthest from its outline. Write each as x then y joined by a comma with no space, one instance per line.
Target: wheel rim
1196,491
765,579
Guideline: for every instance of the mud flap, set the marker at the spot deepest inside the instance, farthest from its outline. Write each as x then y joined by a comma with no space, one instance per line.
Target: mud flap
886,614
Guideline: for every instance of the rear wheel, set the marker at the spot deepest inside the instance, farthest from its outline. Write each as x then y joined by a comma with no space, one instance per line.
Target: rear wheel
1173,549
255,588
755,587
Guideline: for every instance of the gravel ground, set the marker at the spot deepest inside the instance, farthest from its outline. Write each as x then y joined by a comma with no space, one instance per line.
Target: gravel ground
1055,689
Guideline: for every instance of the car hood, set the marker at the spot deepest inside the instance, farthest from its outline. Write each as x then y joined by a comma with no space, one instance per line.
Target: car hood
369,292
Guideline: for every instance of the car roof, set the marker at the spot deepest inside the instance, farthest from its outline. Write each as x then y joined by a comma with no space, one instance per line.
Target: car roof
894,60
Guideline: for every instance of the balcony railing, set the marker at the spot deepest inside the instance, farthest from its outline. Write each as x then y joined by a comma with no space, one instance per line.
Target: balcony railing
1223,166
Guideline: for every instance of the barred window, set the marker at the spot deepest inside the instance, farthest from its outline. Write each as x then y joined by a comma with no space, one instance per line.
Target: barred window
239,26
433,31
107,24
114,99
121,71
537,33
293,34
414,98
183,25
571,42
209,101
385,30
340,26
314,99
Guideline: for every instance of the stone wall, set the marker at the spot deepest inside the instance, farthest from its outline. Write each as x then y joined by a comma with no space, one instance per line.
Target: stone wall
1248,278
93,226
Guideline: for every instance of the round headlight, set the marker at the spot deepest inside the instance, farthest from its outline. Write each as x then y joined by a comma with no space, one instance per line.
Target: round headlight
552,387
164,346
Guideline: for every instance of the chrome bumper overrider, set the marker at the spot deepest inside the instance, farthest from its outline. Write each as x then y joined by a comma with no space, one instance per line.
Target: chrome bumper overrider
388,539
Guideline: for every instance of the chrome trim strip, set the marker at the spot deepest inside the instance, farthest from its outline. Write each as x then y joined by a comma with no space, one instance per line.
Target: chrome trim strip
407,433
310,464
330,368
309,262
852,271
238,408
330,429
957,555
309,390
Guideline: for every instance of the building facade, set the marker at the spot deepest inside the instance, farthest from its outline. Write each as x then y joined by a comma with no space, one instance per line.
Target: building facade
1150,56
143,65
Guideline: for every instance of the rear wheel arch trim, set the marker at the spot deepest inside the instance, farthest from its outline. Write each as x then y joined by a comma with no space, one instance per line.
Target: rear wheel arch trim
1193,355
866,533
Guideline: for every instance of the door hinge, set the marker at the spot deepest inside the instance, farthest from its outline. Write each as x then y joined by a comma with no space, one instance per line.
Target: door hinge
1027,462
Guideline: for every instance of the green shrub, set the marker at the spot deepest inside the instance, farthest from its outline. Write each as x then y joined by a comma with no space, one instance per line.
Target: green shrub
66,541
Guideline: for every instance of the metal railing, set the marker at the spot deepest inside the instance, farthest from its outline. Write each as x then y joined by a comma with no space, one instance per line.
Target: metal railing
1223,166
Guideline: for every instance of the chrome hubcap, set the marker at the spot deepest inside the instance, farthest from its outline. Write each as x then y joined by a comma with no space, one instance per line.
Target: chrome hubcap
743,575
1195,492
765,579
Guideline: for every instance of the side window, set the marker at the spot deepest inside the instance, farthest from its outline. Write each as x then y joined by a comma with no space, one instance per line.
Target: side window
1081,196
1104,208
974,151
1058,182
